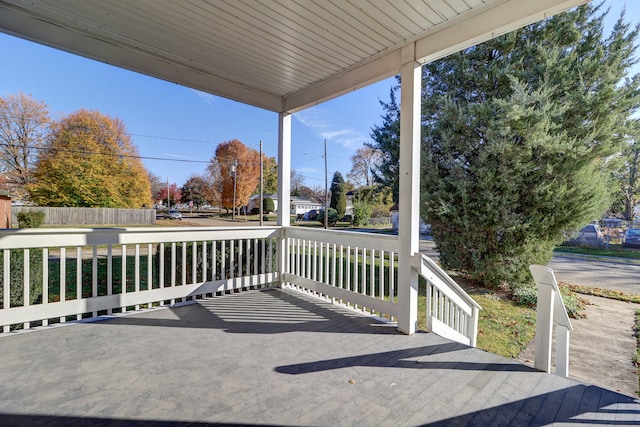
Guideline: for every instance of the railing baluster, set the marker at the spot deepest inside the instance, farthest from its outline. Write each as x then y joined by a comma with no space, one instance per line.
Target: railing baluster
348,265
372,274
149,270
329,264
356,265
248,257
123,287
94,274
6,283
392,277
240,252
63,279
183,269
381,277
26,300
214,264
78,277
45,280
194,264
136,271
204,262
223,266
258,256
173,266
109,273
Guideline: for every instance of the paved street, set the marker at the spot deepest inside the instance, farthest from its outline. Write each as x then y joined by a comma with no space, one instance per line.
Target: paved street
616,274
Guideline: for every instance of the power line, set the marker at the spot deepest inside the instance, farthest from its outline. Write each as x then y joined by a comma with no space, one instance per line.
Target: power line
97,153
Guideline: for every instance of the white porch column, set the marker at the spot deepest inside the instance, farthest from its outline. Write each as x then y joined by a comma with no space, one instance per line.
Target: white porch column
284,185
409,197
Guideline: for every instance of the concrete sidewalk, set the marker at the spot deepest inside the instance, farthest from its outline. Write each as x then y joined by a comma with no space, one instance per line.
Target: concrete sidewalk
601,346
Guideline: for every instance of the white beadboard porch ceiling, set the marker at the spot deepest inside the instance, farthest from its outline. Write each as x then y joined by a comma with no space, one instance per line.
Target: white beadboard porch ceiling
281,55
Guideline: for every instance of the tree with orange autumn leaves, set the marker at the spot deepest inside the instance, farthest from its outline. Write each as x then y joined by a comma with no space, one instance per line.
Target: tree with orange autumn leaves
232,155
88,160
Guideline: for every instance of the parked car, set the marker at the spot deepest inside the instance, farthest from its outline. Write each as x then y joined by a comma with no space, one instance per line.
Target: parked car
312,214
590,234
173,214
631,238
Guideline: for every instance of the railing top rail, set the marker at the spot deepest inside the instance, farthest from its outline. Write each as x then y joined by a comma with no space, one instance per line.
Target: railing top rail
421,259
342,237
58,237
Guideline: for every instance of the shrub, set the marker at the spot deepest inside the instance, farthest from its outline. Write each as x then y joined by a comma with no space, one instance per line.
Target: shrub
525,295
332,217
361,213
30,219
16,276
268,206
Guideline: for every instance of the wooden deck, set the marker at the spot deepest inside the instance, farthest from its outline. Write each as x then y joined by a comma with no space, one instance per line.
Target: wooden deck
277,358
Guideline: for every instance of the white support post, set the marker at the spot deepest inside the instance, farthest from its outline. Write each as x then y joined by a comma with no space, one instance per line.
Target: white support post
544,328
409,199
562,350
284,188
550,310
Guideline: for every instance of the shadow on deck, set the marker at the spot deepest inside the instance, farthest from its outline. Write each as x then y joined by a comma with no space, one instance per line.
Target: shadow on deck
277,358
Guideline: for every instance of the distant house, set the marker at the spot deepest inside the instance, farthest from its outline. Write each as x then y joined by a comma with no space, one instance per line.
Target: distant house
254,201
300,206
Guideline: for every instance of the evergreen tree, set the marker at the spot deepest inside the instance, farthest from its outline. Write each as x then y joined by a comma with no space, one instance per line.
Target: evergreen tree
386,139
627,174
338,194
516,136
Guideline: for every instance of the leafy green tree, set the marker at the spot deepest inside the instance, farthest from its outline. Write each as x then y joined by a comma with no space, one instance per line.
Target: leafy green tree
516,136
195,190
338,194
269,175
88,160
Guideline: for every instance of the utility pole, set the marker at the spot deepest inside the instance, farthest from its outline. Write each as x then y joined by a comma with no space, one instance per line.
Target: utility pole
168,199
261,195
326,188
234,170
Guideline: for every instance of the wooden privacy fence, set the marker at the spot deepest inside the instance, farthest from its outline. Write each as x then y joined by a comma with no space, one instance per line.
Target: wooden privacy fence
89,216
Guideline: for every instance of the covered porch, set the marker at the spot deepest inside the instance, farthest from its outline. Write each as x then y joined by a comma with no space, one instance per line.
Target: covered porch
267,325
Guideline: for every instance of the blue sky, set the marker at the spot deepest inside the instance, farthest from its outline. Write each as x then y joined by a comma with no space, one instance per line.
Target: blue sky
184,126
173,122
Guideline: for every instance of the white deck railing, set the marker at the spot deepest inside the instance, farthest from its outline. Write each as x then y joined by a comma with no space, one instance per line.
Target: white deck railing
56,275
355,269
451,312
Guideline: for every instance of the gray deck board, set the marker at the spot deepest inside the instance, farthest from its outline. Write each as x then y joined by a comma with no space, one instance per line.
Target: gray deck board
277,358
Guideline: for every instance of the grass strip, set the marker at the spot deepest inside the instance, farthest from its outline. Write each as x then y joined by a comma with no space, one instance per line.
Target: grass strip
614,251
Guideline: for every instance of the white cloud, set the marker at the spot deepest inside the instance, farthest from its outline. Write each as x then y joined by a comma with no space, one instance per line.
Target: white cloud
206,97
304,170
177,156
319,120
